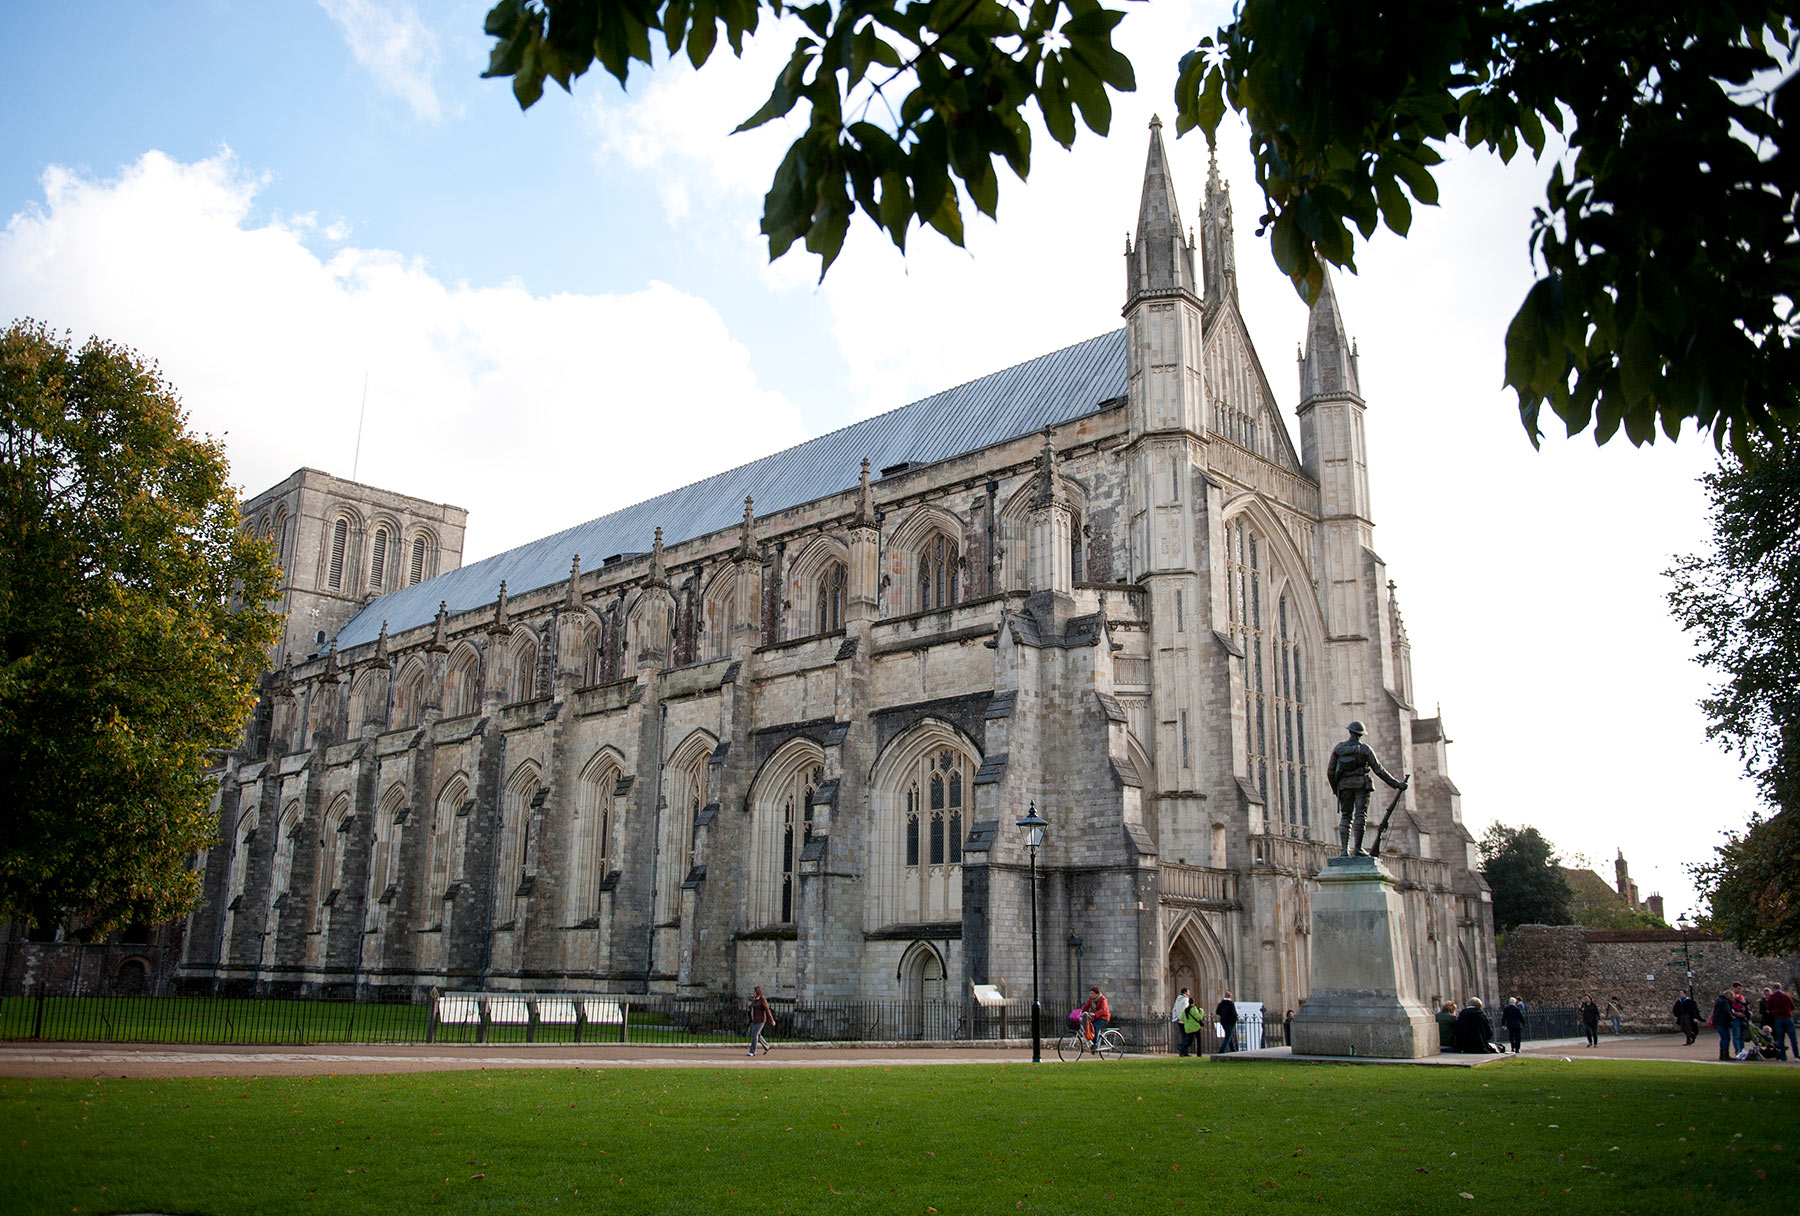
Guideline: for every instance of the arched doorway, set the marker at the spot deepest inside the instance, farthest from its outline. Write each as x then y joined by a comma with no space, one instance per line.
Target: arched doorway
923,1009
132,978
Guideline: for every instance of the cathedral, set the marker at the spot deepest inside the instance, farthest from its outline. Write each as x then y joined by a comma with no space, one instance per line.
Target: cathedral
777,727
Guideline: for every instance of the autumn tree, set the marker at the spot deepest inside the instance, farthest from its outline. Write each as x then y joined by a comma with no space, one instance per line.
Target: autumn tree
1528,884
1666,244
1740,601
133,628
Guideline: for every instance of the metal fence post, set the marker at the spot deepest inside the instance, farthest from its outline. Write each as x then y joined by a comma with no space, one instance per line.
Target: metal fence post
37,1025
431,1020
624,1021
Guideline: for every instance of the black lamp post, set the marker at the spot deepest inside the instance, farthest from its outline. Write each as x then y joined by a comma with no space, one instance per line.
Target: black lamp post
1034,826
1687,961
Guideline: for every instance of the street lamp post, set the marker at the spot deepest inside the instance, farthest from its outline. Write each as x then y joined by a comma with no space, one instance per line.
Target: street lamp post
1687,961
1034,826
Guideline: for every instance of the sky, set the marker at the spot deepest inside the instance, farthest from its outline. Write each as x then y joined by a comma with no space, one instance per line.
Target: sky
348,251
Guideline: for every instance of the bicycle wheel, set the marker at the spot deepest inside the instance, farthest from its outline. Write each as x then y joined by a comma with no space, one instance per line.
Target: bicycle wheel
1110,1045
1070,1047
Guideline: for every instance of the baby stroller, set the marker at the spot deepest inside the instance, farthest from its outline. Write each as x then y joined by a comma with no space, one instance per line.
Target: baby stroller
1759,1043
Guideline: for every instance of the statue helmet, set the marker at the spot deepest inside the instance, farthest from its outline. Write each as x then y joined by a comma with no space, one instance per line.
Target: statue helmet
1355,728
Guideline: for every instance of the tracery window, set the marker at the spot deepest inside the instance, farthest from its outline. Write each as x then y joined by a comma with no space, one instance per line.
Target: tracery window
935,809
1291,770
796,830
593,836
1274,682
684,787
340,541
331,849
938,573
515,840
286,844
384,860
521,684
829,616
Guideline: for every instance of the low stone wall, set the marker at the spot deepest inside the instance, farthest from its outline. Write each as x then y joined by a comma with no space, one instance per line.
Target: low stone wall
1644,968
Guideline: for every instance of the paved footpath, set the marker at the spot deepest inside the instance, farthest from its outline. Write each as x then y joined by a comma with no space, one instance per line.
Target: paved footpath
159,1060
162,1060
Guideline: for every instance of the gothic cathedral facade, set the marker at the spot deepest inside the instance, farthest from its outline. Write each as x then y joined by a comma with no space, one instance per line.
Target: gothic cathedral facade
777,727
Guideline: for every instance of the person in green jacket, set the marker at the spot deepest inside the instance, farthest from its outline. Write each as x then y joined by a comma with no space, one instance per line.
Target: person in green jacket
1446,1020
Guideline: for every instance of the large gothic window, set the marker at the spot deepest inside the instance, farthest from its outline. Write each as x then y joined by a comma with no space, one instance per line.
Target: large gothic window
409,695
515,842
384,858
287,843
937,573
935,798
1274,681
1247,587
1289,709
684,789
522,674
331,848
781,803
829,616
462,683
796,830
592,855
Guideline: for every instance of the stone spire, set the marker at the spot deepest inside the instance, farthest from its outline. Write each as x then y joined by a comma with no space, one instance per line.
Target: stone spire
1050,487
865,500
381,642
1328,368
330,674
658,576
439,640
501,625
746,549
1162,258
575,582
1218,256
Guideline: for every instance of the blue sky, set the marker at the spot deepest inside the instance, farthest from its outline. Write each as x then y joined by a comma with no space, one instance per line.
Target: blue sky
564,311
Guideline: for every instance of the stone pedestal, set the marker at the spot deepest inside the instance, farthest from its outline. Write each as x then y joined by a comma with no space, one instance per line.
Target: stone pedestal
1363,1000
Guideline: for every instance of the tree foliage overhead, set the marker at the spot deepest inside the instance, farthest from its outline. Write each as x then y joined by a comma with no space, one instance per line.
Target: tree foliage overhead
1667,246
1741,603
1528,884
132,633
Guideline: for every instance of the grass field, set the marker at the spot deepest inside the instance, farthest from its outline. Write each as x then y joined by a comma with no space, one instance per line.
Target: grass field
1141,1136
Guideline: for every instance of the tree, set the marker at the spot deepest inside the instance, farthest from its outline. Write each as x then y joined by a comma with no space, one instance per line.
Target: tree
1521,867
1749,886
1667,240
133,629
1741,603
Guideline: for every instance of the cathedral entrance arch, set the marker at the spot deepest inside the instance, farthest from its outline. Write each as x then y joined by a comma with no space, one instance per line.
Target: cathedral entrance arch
1194,960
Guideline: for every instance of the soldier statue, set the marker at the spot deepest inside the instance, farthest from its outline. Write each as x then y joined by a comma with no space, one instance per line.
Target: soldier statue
1351,763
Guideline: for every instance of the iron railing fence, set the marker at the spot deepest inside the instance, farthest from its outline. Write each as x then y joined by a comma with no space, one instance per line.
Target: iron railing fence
518,1017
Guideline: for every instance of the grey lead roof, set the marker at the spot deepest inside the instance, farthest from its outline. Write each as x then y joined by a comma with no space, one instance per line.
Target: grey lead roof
1042,392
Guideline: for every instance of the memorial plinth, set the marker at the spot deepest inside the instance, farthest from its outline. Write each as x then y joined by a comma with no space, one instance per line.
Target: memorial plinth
1362,1001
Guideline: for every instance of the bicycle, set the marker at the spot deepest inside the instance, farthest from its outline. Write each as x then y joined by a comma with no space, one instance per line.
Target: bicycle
1109,1044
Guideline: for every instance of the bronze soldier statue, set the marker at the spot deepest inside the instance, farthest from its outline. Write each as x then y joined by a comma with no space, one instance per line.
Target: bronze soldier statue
1348,773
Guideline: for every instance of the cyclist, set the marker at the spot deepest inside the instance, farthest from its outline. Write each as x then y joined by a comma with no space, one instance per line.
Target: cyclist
1096,1015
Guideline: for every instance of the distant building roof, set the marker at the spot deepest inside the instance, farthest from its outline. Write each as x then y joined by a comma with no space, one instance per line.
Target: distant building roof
1045,391
1588,887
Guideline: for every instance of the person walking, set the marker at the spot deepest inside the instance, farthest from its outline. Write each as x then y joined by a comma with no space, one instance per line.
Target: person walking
1781,1019
761,1016
1687,1016
1287,1029
1182,1003
1193,1021
1512,1018
1616,1011
1590,1020
1722,1021
1226,1012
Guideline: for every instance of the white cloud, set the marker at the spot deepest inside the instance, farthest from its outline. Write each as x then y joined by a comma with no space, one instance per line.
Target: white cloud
390,40
535,412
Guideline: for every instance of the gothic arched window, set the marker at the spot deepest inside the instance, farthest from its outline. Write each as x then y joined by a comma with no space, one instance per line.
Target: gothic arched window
938,573
935,810
593,836
1291,775
829,616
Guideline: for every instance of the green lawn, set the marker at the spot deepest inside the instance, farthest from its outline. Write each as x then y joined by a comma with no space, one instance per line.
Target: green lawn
1113,1139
